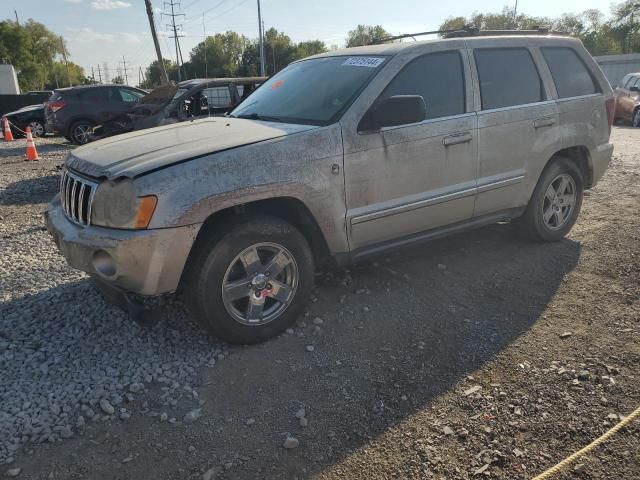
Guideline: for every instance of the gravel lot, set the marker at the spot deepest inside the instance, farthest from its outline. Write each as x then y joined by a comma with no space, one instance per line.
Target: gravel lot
478,356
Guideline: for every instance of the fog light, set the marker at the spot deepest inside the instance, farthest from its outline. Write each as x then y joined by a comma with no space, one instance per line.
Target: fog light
103,264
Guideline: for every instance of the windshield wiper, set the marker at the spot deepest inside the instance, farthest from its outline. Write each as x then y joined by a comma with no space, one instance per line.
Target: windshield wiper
257,116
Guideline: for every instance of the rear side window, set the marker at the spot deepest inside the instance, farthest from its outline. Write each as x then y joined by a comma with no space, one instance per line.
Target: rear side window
438,78
218,97
569,72
95,95
507,77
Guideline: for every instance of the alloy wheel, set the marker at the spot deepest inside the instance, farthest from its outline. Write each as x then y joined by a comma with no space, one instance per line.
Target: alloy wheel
37,128
260,284
559,201
81,133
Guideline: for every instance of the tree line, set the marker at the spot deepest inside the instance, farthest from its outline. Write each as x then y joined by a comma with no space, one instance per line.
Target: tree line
38,53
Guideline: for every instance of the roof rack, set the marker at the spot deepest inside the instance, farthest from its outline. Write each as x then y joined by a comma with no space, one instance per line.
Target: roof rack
471,31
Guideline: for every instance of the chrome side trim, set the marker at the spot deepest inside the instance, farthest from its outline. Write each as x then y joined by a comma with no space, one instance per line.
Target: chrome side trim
427,202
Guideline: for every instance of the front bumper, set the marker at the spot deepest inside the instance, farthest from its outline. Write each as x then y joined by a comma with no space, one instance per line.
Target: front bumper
600,159
146,262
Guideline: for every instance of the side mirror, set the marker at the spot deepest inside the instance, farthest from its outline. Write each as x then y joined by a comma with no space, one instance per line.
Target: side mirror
394,111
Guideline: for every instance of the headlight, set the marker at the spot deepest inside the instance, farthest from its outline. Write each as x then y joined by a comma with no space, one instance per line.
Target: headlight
116,205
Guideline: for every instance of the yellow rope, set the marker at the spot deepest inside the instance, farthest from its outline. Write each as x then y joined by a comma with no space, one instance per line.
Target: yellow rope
569,460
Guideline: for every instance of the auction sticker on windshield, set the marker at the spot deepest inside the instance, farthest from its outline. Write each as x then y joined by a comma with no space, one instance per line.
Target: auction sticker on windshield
371,62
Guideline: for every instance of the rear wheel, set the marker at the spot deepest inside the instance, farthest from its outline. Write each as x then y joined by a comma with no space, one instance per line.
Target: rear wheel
81,132
555,203
250,283
635,121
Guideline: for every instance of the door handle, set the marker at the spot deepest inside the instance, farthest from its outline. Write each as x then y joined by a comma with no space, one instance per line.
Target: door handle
457,138
544,122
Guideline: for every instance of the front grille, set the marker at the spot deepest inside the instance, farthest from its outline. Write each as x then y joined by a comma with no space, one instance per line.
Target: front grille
76,195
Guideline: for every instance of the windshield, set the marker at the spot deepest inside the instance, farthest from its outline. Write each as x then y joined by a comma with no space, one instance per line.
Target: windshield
314,92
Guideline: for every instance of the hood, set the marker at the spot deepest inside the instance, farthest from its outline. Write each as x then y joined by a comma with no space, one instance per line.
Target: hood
161,95
136,153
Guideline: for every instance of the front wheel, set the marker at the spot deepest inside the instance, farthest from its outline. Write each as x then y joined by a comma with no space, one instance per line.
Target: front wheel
635,121
555,203
251,283
37,128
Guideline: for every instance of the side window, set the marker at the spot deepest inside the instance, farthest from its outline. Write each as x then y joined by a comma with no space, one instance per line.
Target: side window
95,95
508,76
626,81
218,97
569,72
438,78
128,96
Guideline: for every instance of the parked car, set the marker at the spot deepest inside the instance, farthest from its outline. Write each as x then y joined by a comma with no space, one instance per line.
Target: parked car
31,116
188,100
37,93
340,155
628,100
74,111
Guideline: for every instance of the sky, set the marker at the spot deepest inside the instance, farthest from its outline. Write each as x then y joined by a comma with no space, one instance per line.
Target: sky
103,31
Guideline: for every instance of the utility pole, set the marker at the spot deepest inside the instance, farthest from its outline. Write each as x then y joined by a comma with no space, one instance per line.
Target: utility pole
105,67
64,55
164,78
124,68
261,41
99,74
17,19
515,15
93,74
175,28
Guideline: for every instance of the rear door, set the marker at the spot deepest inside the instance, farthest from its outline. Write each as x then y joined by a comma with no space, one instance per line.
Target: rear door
517,123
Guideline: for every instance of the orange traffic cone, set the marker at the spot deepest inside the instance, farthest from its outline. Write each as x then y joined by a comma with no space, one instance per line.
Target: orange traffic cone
32,153
8,136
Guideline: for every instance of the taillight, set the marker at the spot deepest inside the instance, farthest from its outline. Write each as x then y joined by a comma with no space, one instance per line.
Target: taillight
611,111
55,106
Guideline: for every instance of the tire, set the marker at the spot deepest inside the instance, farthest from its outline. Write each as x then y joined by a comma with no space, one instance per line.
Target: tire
221,259
37,127
556,201
635,120
79,132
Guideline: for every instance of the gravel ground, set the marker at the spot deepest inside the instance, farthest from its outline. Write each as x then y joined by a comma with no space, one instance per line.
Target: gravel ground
67,357
478,356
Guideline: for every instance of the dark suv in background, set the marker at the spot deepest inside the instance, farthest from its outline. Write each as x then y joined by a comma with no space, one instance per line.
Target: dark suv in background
73,112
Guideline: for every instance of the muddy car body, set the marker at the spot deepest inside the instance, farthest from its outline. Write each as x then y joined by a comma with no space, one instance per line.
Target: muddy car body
235,212
189,100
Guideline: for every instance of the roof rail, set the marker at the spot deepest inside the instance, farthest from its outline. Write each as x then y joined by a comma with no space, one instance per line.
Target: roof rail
471,31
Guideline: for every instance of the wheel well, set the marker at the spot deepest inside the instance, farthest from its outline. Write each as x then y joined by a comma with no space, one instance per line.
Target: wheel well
580,156
288,209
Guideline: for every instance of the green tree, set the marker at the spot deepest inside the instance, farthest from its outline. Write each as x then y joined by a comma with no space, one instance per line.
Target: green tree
118,80
33,50
152,73
223,55
366,34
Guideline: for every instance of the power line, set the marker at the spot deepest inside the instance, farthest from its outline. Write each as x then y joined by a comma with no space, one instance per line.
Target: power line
175,29
124,68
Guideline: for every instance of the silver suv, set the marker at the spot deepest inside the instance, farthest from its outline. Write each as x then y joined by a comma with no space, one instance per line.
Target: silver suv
339,155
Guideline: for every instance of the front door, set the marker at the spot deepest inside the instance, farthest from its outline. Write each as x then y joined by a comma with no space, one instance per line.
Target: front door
404,180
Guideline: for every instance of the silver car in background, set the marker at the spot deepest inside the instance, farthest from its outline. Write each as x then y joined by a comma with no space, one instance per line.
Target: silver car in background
340,155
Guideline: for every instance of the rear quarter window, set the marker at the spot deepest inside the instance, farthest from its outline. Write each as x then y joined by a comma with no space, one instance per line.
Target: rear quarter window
508,77
570,75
